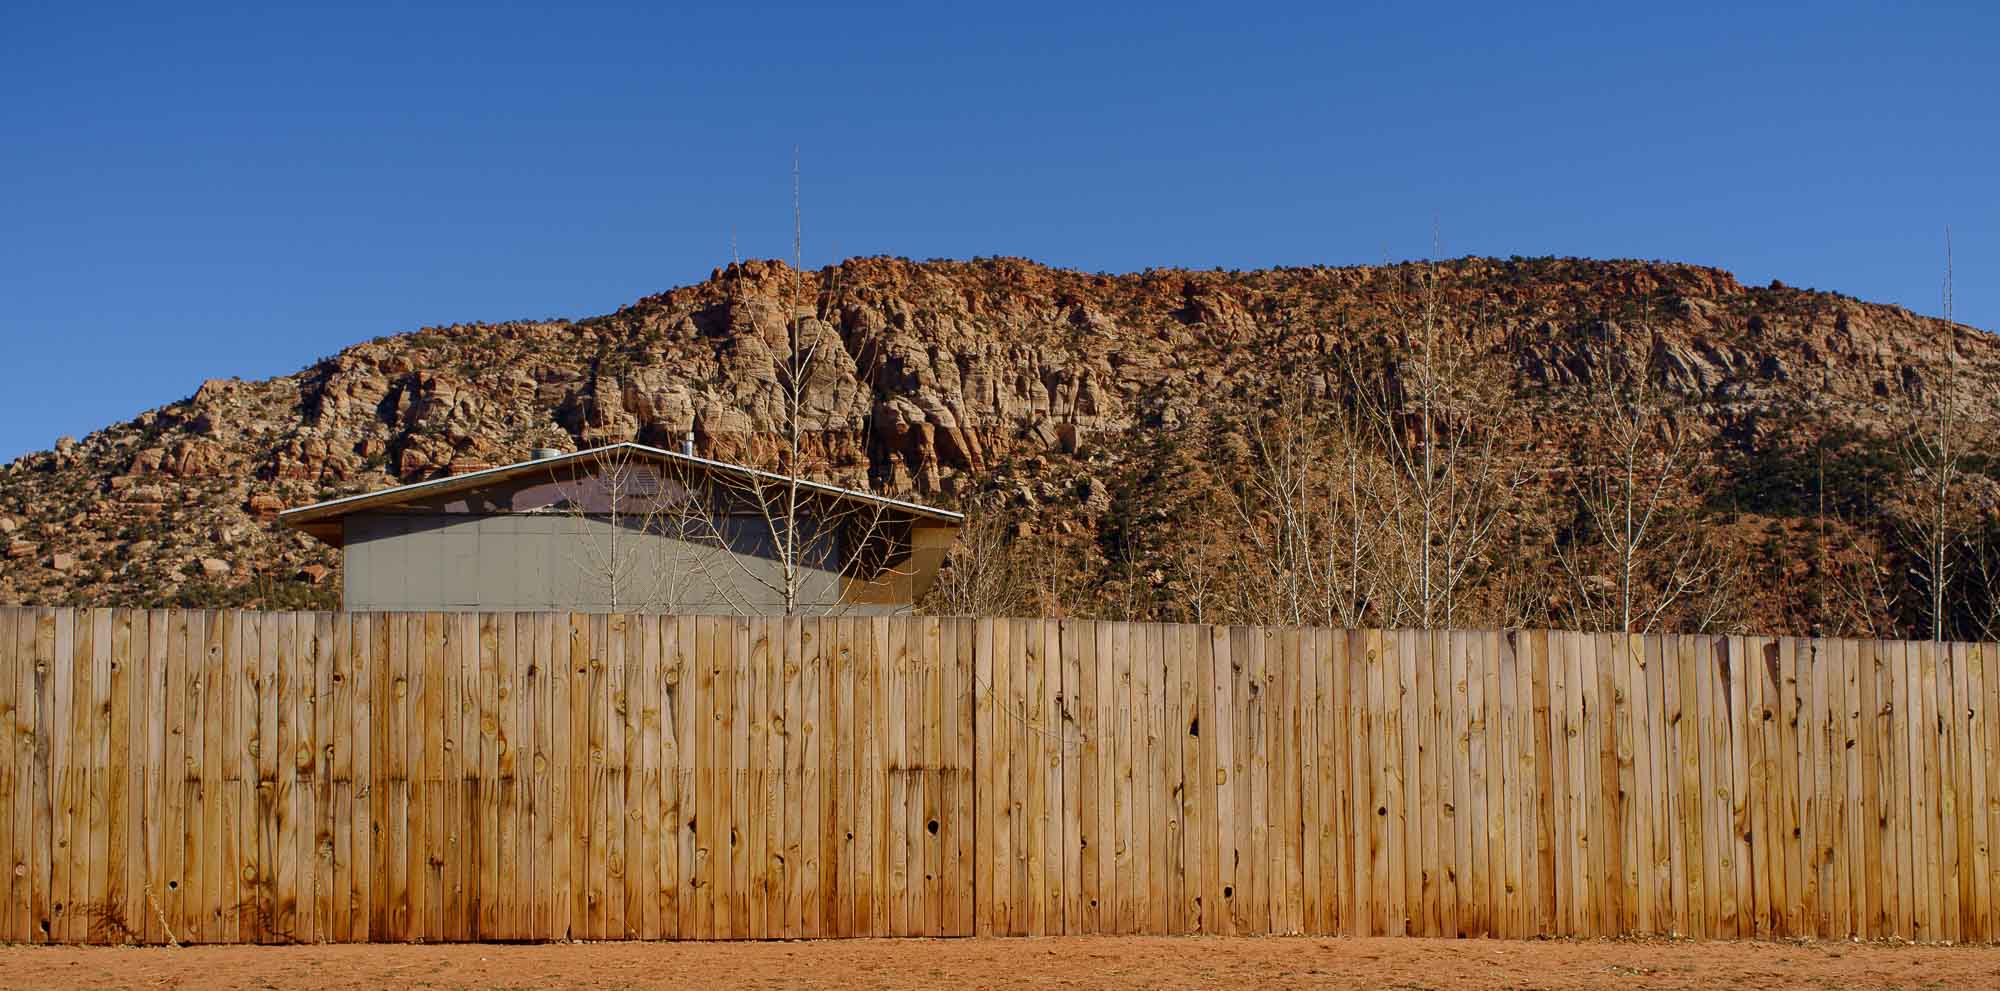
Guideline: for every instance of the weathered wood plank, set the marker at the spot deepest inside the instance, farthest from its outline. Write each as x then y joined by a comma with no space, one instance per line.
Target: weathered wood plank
1374,723
1254,876
1339,765
1031,832
1984,668
896,743
1989,659
1154,859
1708,756
1829,790
1511,904
1220,855
70,768
644,824
1668,895
875,753
1054,741
1795,775
149,748
456,784
1404,733
12,864
1694,852
841,840
1129,646
929,820
96,755
1075,751
965,799
874,684
1919,782
1475,864
622,892
1857,875
120,913
756,777
681,681
426,745
319,717
1304,659
365,667
1957,727
819,849
1898,670
1878,845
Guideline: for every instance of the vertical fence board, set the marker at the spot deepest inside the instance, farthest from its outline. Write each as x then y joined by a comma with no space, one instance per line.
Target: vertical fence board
1877,844
756,776
1694,857
94,705
1514,763
964,797
1540,745
1657,743
1829,693
1475,901
1957,727
1921,786
1303,657
1845,744
1046,745
1987,738
116,721
1406,842
1219,764
1334,812
896,745
1124,898
10,782
1150,797
1075,750
149,728
1561,826
1259,714
68,770
872,653
987,736
1718,910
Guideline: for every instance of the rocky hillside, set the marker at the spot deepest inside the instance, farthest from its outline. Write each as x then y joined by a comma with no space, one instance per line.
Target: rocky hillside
1051,394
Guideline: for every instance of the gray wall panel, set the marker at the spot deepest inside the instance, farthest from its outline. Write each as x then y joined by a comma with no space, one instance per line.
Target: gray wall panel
441,561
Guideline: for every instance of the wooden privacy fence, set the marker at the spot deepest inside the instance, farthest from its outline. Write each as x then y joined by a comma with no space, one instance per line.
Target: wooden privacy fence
265,777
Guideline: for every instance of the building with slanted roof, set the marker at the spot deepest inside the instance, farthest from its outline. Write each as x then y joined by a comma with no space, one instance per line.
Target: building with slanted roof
631,528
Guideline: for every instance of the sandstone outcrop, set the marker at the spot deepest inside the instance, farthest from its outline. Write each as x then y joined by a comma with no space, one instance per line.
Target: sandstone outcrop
928,380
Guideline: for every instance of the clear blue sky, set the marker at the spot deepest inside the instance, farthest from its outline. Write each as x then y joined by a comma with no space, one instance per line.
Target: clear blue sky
192,193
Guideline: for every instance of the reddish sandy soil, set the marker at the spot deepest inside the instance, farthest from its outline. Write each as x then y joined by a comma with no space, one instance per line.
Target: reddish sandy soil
1092,962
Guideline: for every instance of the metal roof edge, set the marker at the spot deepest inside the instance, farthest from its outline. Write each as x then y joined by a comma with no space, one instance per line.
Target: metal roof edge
320,510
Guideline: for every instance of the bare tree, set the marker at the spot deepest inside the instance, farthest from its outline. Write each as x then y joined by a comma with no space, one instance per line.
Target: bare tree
1635,551
639,535
1983,577
1194,572
1449,486
1864,595
1931,514
1301,505
983,575
826,551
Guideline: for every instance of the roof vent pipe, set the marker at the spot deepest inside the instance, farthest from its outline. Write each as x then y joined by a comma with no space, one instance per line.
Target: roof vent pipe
687,444
544,453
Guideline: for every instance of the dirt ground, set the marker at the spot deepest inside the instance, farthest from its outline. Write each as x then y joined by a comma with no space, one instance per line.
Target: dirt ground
1089,962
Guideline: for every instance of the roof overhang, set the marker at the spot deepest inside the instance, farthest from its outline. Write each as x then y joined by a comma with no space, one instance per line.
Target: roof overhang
323,519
